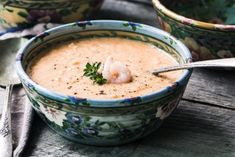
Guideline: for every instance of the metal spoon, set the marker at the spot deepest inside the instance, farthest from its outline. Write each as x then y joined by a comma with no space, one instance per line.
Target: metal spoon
216,63
8,78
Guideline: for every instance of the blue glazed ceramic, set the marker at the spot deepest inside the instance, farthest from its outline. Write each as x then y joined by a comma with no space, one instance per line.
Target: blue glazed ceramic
103,122
200,25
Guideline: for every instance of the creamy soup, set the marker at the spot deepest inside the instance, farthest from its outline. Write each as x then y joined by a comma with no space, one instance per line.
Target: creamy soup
61,68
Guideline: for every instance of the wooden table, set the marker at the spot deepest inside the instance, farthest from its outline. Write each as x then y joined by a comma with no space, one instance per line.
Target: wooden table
202,126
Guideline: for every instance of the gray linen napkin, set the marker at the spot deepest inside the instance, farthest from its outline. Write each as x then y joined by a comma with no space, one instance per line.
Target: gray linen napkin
21,109
22,118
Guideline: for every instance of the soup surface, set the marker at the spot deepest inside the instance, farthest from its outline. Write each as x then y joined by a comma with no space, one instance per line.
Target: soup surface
61,68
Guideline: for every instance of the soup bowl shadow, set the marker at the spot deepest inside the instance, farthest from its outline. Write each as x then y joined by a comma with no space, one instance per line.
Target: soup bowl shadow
96,121
201,29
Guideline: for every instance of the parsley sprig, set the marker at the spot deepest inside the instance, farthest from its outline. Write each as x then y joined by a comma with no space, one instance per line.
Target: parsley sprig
91,71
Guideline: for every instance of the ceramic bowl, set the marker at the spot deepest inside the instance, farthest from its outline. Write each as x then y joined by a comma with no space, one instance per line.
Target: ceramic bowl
96,121
206,40
24,13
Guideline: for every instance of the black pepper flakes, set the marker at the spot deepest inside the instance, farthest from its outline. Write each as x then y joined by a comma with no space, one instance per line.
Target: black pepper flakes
102,92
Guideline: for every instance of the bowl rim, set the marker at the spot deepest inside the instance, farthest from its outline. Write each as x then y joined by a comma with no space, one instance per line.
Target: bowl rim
103,103
190,22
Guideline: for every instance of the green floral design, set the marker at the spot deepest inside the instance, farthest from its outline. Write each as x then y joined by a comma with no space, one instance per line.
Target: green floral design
204,43
21,14
132,25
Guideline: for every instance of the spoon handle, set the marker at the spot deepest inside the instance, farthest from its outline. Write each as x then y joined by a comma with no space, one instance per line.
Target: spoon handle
5,125
225,63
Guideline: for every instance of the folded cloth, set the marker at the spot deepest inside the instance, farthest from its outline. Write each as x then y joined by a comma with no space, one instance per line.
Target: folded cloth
18,33
21,109
22,118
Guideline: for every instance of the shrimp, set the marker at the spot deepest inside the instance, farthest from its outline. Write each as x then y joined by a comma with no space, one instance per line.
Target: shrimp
116,72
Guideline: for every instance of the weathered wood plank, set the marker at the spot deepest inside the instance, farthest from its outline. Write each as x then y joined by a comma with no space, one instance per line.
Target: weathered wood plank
192,130
215,87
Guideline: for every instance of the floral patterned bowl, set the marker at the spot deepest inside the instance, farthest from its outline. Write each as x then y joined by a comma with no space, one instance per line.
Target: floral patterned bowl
103,122
23,13
206,40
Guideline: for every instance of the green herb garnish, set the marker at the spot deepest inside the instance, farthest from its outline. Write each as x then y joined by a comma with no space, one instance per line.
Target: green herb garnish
91,71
